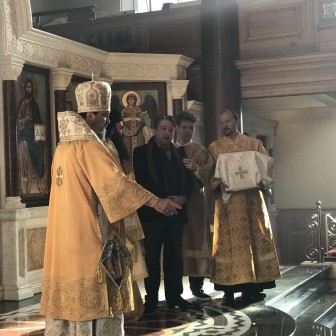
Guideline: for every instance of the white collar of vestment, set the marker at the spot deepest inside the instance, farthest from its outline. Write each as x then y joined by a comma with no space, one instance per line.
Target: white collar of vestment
72,126
178,144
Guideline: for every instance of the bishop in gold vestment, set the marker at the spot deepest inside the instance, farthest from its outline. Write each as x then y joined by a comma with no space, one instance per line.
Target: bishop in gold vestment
73,286
244,256
77,297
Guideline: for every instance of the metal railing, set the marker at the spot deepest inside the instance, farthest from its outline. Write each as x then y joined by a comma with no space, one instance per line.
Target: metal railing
322,227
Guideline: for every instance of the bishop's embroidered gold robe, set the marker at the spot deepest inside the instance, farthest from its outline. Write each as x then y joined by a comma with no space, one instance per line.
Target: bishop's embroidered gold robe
243,247
134,234
74,285
196,244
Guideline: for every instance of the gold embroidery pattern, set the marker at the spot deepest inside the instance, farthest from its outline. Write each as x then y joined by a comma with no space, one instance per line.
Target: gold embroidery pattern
59,176
93,96
74,300
86,300
112,327
253,253
128,196
72,127
104,327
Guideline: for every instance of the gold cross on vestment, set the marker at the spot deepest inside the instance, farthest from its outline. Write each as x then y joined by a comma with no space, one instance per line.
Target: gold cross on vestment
59,177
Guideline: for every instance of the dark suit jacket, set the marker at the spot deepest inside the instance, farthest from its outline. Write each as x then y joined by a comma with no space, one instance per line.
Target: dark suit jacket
161,176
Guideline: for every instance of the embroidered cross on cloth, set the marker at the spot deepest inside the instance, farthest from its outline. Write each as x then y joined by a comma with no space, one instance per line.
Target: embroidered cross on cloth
244,170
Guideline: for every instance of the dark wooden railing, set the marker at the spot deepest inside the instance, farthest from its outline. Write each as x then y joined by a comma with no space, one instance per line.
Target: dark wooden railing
74,14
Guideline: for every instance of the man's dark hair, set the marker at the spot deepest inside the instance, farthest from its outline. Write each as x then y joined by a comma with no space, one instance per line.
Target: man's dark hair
119,144
185,116
234,113
115,117
163,117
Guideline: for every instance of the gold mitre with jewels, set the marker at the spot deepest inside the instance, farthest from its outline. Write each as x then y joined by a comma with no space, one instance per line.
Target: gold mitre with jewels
93,96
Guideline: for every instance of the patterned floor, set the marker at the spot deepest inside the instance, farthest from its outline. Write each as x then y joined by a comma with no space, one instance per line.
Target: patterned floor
212,319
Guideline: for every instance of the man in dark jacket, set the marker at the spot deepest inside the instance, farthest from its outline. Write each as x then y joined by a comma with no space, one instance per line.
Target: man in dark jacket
158,167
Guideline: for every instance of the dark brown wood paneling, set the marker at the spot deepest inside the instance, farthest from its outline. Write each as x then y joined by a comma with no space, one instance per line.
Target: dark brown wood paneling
180,37
11,161
220,78
177,106
60,100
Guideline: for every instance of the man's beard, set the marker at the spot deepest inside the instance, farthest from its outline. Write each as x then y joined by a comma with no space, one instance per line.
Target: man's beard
102,134
227,132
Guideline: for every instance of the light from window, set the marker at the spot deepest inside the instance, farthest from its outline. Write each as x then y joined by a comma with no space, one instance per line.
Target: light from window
153,5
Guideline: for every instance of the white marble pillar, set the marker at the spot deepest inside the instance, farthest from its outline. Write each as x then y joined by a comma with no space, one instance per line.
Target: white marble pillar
176,93
196,109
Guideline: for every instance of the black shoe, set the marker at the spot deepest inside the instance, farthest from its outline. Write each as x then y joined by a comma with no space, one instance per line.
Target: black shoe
200,296
228,299
150,306
180,302
252,297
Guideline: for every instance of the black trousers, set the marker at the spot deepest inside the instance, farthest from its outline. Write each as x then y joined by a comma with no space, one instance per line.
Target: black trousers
166,233
196,283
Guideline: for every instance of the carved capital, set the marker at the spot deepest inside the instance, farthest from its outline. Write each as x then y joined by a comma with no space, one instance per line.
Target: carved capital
196,109
61,78
10,67
177,88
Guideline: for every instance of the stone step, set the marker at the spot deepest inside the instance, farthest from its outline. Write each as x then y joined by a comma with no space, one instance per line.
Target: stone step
327,320
307,295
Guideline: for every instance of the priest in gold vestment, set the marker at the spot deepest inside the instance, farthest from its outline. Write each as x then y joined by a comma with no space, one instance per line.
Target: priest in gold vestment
80,294
244,255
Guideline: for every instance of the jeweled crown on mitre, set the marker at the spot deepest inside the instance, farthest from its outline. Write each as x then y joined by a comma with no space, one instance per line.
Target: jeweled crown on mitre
93,96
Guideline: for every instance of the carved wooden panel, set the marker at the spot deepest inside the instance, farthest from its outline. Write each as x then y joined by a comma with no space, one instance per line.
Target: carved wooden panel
277,22
276,29
326,14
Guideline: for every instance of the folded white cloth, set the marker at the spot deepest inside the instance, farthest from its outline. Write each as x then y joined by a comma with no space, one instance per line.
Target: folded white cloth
243,170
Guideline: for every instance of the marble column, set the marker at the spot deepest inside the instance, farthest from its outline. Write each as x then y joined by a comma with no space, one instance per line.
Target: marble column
196,109
220,47
61,78
177,90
